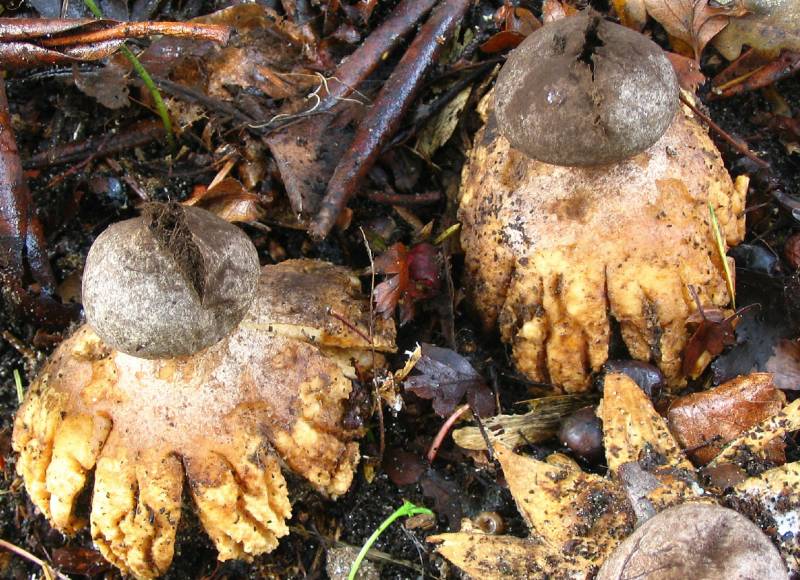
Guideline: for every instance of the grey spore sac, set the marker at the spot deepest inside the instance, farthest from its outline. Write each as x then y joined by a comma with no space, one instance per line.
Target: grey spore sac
584,91
170,282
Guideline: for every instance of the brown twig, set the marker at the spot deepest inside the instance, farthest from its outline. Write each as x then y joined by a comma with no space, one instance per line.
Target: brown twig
427,198
444,430
22,241
94,147
28,556
52,32
369,55
787,64
383,119
740,147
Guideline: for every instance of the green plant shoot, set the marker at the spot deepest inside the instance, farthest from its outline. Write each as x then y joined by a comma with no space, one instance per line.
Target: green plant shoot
18,384
721,249
148,81
405,510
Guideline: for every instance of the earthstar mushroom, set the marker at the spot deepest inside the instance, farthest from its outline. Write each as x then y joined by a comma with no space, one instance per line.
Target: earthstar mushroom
275,390
554,253
647,515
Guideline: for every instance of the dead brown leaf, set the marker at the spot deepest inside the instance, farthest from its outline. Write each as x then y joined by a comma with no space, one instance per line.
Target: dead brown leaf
693,22
229,200
632,13
704,422
785,365
553,10
687,70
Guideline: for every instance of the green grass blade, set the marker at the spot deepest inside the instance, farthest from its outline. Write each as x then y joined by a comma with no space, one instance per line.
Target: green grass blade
407,509
161,108
722,256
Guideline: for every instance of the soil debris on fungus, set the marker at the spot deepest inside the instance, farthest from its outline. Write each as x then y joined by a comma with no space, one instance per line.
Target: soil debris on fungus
275,390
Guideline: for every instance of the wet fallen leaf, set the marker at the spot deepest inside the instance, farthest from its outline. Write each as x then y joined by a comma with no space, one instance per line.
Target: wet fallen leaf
108,85
502,41
445,376
228,200
769,27
440,128
553,10
693,22
77,560
687,70
414,275
704,422
714,332
445,494
403,467
785,365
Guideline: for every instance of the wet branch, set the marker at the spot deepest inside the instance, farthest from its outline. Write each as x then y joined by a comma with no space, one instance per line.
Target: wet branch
383,119
22,243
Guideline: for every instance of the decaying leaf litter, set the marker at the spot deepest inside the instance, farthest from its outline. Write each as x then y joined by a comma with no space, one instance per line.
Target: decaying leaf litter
273,125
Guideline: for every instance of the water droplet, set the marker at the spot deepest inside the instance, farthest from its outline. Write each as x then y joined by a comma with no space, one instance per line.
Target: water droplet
554,96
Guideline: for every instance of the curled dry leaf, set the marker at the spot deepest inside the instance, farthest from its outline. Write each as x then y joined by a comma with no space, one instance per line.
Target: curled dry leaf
687,70
704,422
229,200
648,474
693,22
274,392
446,377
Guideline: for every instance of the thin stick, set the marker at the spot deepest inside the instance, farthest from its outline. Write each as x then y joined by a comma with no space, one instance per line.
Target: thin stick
425,198
212,32
725,136
28,556
381,424
444,430
381,122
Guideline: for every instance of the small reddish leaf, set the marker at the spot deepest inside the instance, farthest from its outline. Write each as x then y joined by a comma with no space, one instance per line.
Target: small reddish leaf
502,41
416,277
446,376
703,422
713,334
687,70
403,467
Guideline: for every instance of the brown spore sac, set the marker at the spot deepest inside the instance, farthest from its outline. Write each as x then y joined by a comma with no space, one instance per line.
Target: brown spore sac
583,91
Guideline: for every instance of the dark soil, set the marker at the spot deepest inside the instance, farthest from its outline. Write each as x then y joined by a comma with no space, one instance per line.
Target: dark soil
49,110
